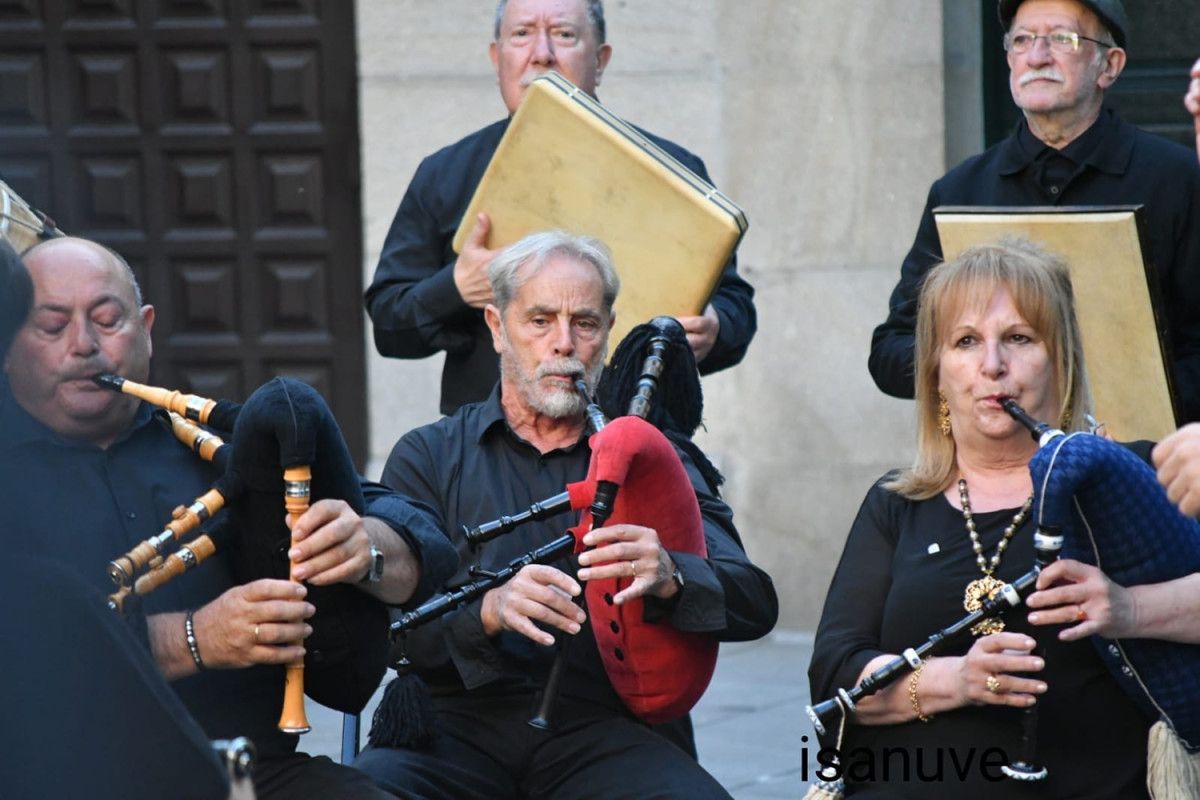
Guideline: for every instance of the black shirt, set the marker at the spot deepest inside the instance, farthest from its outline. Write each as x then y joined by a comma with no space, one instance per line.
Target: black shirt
1112,163
471,468
81,506
86,712
417,310
901,578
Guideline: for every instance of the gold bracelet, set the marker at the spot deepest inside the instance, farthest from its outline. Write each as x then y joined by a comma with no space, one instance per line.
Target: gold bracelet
912,693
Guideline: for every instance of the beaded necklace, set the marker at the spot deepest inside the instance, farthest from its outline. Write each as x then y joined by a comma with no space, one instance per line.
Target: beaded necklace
986,586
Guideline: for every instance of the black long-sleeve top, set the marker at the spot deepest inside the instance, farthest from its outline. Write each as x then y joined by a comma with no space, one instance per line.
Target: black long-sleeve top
81,506
417,311
901,578
471,468
1112,163
86,711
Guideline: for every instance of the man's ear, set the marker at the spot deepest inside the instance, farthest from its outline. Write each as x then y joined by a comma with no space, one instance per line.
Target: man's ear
603,54
491,315
147,314
1114,65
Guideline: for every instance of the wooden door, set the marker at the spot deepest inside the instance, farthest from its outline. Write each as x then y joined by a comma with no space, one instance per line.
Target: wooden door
213,143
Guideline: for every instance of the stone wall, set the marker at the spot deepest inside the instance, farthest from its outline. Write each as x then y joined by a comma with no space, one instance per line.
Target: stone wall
823,119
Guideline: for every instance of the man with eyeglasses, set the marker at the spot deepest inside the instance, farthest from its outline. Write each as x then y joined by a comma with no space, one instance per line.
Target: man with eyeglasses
1068,151
425,298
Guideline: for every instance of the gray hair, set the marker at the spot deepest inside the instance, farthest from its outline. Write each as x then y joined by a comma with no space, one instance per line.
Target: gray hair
538,248
595,12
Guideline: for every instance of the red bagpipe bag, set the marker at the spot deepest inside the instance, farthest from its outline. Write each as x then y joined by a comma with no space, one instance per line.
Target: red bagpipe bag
658,671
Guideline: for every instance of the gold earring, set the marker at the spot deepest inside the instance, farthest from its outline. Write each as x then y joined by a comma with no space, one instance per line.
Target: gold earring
943,414
1066,417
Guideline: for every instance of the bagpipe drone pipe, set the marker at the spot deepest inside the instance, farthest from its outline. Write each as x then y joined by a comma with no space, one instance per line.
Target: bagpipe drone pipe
285,451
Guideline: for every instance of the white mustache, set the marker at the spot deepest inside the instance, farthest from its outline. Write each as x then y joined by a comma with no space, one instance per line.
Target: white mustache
535,73
1043,74
561,366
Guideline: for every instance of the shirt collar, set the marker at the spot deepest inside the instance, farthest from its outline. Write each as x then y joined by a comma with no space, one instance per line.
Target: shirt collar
491,418
1101,146
18,427
491,414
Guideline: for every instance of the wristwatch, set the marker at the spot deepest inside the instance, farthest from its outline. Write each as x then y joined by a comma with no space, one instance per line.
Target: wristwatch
375,573
677,576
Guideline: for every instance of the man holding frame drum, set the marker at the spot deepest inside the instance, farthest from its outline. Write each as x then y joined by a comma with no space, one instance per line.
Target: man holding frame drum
1068,151
425,299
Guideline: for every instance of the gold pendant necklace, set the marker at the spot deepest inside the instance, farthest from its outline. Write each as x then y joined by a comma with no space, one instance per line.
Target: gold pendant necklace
981,588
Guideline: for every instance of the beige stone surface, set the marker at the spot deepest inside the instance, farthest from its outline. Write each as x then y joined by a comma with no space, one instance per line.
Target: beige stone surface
801,431
824,120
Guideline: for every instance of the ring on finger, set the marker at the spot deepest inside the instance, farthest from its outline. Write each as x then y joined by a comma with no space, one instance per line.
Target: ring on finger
993,684
1080,614
632,569
256,639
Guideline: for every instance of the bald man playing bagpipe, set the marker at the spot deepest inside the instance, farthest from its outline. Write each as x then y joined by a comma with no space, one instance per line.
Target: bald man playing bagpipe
87,473
488,661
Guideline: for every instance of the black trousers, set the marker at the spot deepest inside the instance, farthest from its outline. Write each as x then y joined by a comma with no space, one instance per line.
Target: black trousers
302,777
485,749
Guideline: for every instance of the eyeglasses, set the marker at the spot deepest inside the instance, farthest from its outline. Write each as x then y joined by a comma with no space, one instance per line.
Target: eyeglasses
1061,41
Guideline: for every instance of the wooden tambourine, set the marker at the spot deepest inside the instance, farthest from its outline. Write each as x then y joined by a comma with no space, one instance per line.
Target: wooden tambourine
20,225
567,162
1117,302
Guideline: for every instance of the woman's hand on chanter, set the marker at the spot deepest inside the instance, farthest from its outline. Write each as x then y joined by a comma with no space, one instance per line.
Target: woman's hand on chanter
995,671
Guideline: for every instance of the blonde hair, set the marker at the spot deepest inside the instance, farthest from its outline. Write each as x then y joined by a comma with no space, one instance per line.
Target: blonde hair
1040,286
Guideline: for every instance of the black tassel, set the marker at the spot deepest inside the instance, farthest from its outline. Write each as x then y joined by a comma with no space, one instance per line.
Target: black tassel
678,404
405,716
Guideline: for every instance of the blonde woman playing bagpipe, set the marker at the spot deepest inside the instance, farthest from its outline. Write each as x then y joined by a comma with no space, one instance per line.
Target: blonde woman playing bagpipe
996,324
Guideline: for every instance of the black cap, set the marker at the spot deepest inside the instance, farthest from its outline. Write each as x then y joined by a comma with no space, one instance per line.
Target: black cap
1110,12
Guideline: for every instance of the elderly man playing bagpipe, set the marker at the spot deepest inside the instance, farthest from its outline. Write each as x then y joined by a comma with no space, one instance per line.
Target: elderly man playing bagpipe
87,473
118,705
487,661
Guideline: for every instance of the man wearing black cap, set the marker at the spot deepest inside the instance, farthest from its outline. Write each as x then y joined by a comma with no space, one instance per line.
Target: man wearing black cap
1068,151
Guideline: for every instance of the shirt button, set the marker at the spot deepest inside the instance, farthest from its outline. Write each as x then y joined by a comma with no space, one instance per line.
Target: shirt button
1126,671
1112,648
131,515
1053,190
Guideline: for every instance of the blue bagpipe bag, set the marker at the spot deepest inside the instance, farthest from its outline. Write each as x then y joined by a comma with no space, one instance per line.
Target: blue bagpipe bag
1115,515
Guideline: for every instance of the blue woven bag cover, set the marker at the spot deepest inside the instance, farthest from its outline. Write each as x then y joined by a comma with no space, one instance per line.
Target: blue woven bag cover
1132,532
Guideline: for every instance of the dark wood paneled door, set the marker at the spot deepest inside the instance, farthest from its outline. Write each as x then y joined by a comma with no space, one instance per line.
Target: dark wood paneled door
214,143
